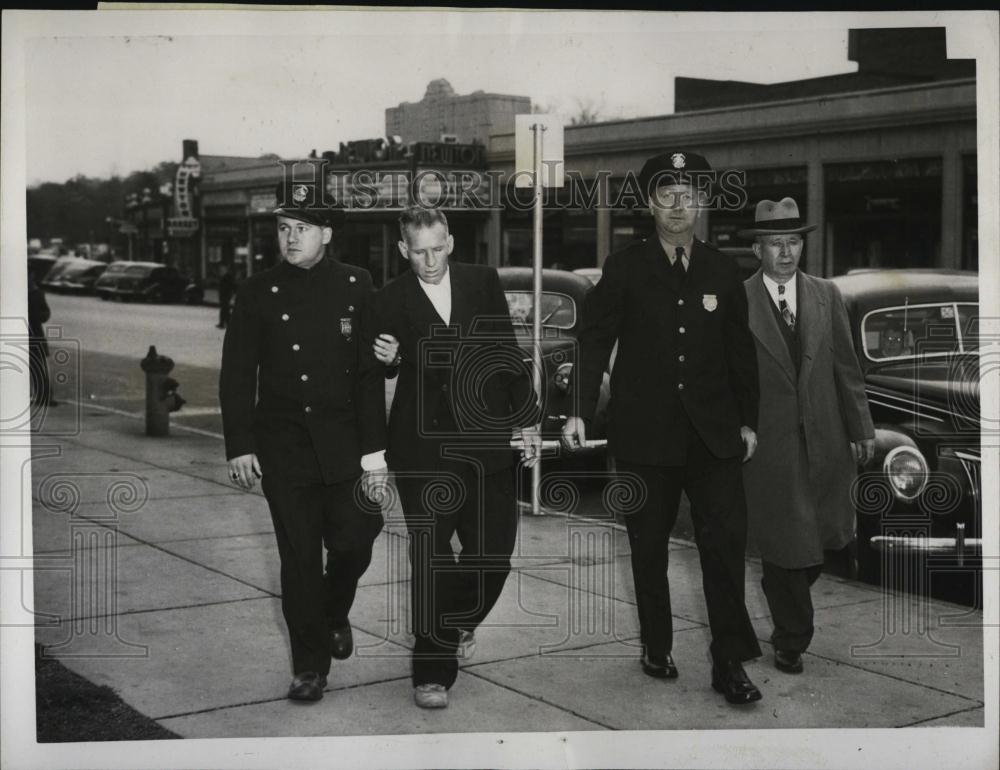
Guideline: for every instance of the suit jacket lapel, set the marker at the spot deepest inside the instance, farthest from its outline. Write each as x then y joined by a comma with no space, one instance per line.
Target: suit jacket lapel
462,302
764,325
657,263
811,321
419,309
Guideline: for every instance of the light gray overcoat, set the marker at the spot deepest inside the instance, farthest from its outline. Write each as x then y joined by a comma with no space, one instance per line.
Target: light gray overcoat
799,480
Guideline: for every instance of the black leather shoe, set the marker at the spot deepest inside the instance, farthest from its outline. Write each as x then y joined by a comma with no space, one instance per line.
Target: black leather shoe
307,686
341,642
789,662
663,668
731,680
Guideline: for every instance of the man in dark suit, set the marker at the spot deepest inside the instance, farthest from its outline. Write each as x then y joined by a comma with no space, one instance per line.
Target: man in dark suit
815,426
300,406
682,415
462,390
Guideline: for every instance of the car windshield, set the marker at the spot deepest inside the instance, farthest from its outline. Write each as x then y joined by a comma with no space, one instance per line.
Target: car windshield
558,310
896,333
138,270
117,267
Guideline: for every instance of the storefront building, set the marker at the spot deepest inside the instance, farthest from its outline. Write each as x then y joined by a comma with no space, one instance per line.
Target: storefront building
889,175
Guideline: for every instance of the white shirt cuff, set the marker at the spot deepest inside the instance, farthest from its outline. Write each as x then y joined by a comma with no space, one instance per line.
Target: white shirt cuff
374,461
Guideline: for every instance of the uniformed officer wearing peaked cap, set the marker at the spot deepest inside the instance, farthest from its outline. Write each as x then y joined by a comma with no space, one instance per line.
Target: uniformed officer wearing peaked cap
300,406
682,414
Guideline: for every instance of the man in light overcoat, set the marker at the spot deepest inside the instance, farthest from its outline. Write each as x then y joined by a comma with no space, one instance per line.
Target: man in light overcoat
814,427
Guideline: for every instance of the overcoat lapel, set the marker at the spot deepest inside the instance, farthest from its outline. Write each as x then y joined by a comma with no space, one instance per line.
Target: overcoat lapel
813,317
764,325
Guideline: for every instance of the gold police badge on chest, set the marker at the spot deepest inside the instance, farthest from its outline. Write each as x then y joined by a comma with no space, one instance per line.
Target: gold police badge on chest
710,302
346,326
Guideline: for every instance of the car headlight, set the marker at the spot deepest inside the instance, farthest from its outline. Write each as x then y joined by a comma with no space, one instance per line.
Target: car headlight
907,471
561,377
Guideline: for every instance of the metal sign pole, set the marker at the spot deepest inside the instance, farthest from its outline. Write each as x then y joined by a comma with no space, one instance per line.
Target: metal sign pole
536,471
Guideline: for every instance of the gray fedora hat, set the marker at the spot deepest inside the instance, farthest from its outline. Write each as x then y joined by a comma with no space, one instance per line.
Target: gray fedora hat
776,218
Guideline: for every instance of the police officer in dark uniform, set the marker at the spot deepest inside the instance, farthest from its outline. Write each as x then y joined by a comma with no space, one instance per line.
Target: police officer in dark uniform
300,406
683,411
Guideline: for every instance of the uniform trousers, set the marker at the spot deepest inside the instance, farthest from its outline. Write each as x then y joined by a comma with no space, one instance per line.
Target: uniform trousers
452,592
714,487
309,517
790,602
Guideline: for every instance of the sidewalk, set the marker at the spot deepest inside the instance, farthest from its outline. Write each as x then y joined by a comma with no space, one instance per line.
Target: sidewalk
160,580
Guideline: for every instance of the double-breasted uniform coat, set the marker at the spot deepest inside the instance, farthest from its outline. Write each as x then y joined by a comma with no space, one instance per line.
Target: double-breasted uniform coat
684,382
298,389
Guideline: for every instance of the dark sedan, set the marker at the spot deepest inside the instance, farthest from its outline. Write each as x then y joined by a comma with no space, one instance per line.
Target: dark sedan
74,274
563,293
146,281
916,333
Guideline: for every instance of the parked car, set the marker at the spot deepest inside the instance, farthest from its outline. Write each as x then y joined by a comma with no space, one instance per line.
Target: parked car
916,333
40,264
563,293
146,281
592,274
74,274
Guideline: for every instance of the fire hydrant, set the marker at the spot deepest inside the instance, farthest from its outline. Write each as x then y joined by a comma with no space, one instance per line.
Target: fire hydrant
162,397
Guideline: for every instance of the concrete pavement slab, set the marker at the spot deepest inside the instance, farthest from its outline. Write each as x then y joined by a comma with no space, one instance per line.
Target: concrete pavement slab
616,692
125,491
972,717
531,615
75,458
159,520
216,657
907,638
384,709
687,596
98,578
254,559
126,435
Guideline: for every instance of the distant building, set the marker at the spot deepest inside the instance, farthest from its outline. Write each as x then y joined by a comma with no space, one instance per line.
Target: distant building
444,116
886,58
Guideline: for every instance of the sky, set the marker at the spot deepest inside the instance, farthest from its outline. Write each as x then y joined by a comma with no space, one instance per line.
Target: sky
115,103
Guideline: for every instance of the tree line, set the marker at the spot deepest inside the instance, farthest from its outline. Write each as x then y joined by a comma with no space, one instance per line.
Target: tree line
77,210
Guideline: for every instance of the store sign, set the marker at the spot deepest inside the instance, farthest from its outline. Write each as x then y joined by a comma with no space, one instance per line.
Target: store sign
366,151
181,227
263,202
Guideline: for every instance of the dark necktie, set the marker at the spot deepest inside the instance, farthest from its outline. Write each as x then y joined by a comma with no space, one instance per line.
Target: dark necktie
679,272
786,312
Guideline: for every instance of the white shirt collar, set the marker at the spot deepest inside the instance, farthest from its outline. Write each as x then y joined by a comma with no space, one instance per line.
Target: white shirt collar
790,296
440,295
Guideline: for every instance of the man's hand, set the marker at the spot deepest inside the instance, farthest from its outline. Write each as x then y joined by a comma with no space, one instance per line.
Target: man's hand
749,438
386,349
531,438
574,434
244,471
375,485
864,450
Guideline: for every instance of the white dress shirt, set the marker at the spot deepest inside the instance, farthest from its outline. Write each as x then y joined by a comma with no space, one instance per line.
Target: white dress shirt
440,296
789,296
